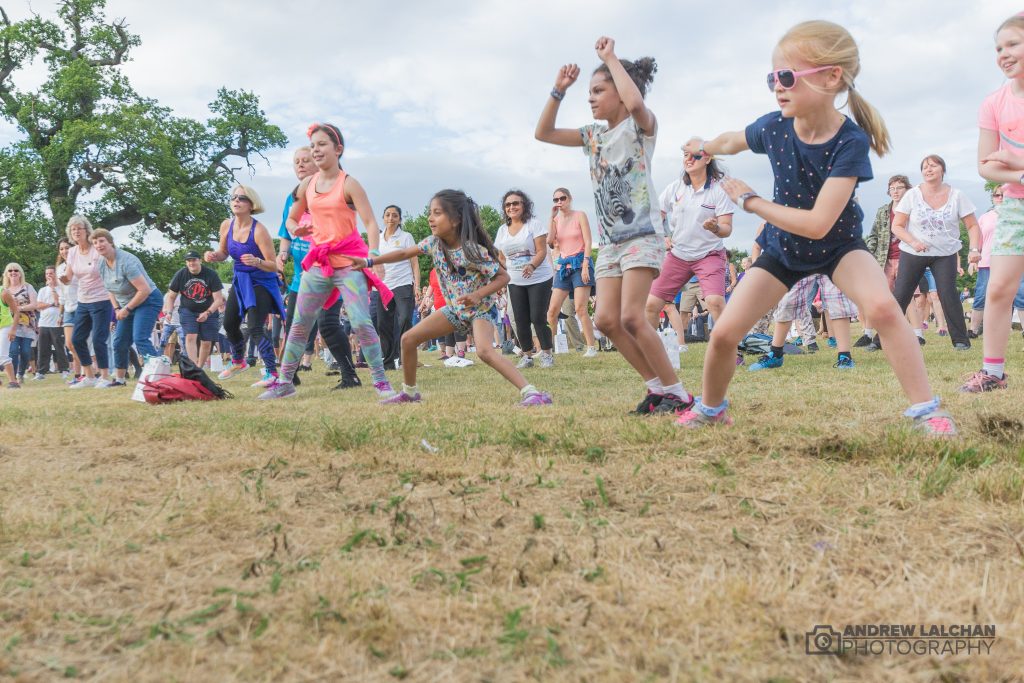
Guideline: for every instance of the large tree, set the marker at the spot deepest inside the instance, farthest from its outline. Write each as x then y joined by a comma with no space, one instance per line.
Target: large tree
90,144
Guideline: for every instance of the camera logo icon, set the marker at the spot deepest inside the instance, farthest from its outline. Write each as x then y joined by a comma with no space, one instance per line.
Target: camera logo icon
823,640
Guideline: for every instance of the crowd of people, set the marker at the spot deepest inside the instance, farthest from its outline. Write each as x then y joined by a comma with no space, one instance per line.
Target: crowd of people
661,258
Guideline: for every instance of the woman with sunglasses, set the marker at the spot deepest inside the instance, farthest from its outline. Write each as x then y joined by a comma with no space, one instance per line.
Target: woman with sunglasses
255,292
813,223
523,250
24,328
699,214
571,244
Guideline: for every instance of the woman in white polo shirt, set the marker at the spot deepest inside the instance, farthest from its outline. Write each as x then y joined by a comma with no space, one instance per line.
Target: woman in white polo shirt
523,251
403,279
699,214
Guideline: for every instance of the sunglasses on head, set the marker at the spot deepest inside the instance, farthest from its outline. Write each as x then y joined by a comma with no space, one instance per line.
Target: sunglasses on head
241,198
556,200
509,205
787,77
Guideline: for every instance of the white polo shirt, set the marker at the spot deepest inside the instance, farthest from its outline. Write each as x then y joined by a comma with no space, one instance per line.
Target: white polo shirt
397,274
687,208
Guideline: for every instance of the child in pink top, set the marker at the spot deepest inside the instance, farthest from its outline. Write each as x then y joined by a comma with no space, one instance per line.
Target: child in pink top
1001,159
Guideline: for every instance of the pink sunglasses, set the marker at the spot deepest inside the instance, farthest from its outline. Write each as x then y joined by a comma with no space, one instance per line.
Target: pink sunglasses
787,77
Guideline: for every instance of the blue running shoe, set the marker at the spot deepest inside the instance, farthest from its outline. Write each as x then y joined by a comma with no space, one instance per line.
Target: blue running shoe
844,363
832,342
766,362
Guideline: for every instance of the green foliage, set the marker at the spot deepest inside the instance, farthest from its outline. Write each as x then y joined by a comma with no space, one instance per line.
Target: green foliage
90,144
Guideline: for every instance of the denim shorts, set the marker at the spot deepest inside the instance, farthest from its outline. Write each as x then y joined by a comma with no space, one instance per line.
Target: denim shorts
574,280
981,287
208,331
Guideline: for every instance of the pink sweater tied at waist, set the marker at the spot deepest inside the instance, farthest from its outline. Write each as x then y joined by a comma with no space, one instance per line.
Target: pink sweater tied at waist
353,245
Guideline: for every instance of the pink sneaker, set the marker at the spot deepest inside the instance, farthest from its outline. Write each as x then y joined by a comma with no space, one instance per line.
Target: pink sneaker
541,398
694,418
384,390
401,397
232,370
936,423
981,381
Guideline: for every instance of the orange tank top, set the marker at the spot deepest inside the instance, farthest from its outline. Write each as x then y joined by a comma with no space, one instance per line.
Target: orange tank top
569,234
333,218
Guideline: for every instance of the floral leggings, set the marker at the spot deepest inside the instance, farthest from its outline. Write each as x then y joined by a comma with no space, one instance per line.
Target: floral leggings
313,292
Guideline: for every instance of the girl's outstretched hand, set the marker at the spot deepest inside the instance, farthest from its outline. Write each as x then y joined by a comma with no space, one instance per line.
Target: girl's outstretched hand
692,146
734,188
605,48
357,263
567,75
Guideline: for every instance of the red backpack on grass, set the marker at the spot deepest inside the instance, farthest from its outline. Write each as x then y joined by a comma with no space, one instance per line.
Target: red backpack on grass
171,388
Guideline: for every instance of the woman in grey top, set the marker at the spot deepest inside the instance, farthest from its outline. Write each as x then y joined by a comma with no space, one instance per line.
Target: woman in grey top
137,301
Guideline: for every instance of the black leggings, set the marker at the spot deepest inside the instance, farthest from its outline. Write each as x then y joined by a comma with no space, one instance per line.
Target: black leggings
944,270
393,321
255,318
530,306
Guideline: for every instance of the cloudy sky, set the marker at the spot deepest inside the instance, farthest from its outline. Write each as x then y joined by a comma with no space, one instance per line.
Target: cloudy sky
447,94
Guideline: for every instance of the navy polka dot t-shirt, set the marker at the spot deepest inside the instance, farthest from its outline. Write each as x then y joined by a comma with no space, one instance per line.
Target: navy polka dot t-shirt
800,171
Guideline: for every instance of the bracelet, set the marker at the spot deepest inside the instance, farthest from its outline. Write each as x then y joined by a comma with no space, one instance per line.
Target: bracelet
743,200
557,94
369,262
375,252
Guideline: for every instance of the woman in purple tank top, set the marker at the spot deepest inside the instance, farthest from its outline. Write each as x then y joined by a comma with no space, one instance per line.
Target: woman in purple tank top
255,293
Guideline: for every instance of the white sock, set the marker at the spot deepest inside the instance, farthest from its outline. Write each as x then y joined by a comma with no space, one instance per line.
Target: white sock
869,332
677,390
919,332
410,390
655,386
994,367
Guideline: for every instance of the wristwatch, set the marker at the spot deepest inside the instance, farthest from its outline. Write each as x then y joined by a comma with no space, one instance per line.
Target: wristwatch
742,200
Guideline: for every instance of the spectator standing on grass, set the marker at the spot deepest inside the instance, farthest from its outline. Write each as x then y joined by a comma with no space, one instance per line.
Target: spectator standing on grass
202,296
987,223
68,304
927,222
571,242
135,298
20,349
94,311
522,249
8,331
51,335
403,279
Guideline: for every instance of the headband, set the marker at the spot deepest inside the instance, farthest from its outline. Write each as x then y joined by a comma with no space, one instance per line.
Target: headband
313,127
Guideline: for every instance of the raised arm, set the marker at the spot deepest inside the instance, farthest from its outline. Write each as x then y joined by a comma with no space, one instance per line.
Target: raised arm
727,143
628,92
221,253
390,257
813,223
546,131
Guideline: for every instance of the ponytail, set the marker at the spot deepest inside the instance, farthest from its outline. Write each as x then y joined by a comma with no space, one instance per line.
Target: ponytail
868,118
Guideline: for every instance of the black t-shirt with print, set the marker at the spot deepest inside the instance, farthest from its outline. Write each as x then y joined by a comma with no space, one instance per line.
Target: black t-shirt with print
196,290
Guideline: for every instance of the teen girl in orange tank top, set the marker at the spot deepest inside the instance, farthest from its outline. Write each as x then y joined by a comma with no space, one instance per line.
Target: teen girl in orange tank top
333,198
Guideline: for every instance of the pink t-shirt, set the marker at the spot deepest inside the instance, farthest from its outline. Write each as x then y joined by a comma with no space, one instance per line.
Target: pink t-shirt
1003,112
987,222
86,267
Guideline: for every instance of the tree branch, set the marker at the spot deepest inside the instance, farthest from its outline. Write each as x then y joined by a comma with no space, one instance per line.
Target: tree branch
129,215
119,51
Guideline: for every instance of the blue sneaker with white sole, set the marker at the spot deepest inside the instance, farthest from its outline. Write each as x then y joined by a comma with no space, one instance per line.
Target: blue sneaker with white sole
766,362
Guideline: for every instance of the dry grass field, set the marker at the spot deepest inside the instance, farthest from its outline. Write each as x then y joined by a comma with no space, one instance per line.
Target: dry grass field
325,538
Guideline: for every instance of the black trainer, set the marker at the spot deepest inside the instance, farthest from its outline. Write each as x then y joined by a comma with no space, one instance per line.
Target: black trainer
650,402
347,382
862,342
673,405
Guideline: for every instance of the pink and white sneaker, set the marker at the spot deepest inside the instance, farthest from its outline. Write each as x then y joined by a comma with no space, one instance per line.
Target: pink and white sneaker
541,398
694,418
936,423
232,370
401,397
384,390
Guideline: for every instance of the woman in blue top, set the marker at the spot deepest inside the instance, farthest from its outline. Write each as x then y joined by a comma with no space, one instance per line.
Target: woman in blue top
254,289
329,319
813,223
137,301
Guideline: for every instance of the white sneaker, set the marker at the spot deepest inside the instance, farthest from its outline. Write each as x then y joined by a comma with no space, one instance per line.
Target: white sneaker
102,384
525,362
452,362
591,352
547,360
84,383
463,362
39,376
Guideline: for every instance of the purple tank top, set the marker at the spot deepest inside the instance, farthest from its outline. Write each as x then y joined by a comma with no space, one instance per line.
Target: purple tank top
236,249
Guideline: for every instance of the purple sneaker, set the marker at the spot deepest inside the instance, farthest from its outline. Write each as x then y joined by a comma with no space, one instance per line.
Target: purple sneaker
384,390
278,390
401,397
541,398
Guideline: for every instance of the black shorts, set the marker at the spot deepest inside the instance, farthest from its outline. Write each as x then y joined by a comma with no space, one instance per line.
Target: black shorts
790,277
